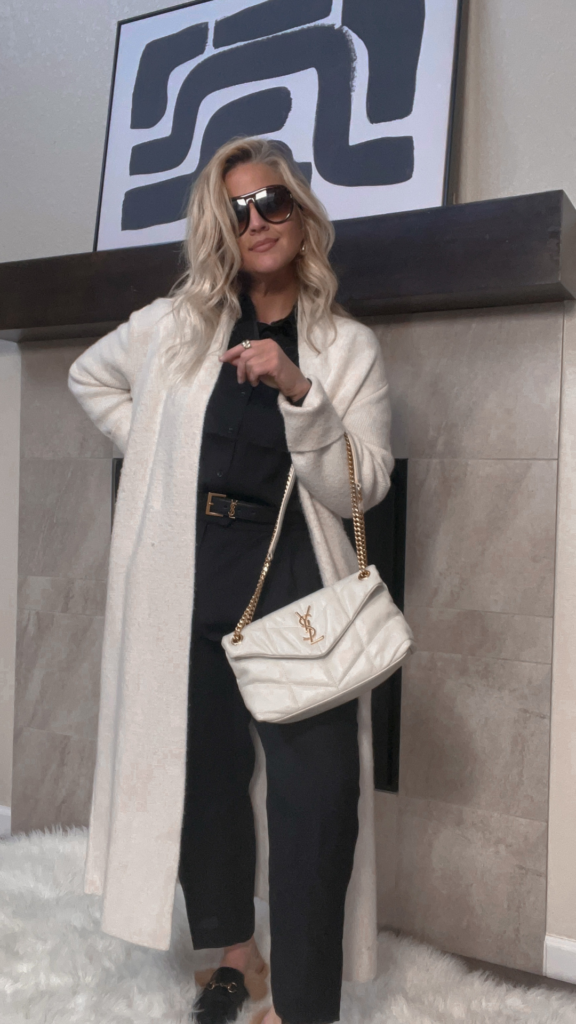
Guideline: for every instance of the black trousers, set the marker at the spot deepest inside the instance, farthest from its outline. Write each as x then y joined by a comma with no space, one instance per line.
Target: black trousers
312,772
312,775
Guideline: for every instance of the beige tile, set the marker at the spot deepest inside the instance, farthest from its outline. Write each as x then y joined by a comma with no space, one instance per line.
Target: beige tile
562,819
65,517
58,594
475,383
9,499
472,882
7,680
482,634
386,829
475,732
53,424
480,535
58,672
52,780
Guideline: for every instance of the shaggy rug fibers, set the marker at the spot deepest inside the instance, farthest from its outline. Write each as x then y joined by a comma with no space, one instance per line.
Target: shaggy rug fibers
57,967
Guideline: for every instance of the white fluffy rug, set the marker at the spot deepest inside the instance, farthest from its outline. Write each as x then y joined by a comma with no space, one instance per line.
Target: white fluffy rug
57,967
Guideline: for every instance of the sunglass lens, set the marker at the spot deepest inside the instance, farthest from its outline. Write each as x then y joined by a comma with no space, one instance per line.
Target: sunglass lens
274,203
242,211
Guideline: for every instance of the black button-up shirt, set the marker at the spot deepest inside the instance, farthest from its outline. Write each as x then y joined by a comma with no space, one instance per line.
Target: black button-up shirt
244,452
244,455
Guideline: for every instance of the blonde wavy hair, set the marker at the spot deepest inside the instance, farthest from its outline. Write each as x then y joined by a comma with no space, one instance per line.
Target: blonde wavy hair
212,283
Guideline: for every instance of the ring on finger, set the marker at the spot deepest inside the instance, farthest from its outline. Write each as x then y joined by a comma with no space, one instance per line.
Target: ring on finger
246,344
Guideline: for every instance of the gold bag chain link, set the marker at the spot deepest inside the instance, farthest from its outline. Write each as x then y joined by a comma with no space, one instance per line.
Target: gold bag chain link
357,515
359,541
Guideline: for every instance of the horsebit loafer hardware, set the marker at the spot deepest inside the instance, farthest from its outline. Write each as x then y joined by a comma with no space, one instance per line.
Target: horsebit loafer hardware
232,986
222,998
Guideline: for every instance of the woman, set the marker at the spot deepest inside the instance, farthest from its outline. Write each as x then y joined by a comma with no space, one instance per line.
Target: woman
211,395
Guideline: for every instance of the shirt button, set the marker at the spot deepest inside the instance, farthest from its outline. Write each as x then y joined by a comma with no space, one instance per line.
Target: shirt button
220,473
230,430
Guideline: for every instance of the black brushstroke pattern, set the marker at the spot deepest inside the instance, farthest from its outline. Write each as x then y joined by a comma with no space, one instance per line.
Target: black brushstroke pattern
165,201
392,31
306,169
158,60
267,18
383,161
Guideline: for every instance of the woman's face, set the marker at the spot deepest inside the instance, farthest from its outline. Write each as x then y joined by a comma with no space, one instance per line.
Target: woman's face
265,248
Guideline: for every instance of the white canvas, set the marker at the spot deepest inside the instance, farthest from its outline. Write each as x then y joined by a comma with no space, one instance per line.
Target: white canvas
427,124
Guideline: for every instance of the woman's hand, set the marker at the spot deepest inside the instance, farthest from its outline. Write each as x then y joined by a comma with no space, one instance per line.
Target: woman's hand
265,361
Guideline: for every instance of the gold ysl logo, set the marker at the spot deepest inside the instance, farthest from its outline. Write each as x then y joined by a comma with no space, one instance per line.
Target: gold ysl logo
307,626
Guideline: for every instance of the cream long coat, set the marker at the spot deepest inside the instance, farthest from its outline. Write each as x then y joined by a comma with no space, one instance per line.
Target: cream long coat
138,794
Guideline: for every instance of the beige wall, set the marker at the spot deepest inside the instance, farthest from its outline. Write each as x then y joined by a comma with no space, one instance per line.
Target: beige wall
519,135
9,484
520,97
65,517
462,848
55,77
561,911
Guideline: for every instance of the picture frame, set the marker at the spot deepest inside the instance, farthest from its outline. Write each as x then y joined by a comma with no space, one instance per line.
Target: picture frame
362,91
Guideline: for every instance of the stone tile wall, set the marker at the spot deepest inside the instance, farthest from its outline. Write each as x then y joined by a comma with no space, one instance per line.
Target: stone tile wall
65,488
561,891
9,497
462,848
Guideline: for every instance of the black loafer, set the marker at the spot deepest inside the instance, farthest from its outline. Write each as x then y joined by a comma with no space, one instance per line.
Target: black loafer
221,1000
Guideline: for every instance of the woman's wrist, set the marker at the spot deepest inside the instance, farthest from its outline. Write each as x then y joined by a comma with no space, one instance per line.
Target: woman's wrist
297,395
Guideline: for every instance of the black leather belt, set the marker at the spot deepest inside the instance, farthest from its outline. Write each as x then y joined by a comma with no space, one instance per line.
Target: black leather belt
221,505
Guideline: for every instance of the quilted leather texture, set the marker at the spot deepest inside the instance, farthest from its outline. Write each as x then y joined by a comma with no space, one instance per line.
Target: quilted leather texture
320,651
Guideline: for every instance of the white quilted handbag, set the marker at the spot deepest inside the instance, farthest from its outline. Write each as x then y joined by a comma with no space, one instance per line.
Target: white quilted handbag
324,649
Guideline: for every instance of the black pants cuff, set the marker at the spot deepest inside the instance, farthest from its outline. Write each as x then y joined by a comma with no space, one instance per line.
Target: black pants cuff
215,938
299,1019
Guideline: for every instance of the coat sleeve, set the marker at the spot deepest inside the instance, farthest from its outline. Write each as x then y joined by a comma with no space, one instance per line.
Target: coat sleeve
358,405
102,378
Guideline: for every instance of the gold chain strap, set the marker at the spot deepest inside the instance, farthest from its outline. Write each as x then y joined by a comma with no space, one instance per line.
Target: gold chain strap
359,541
357,515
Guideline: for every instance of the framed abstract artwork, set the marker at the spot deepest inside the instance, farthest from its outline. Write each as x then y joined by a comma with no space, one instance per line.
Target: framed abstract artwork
362,91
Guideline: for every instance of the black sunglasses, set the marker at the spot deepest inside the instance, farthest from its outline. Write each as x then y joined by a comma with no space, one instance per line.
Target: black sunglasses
274,203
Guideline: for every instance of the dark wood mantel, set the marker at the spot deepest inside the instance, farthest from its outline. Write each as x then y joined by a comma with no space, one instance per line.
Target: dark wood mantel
492,253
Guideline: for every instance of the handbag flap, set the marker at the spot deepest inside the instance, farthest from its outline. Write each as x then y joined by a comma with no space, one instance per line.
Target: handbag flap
309,627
